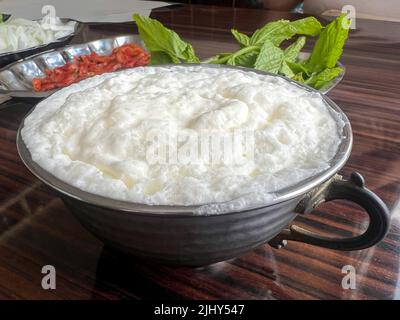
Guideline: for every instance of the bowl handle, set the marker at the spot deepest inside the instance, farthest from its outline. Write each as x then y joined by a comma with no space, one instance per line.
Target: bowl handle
337,188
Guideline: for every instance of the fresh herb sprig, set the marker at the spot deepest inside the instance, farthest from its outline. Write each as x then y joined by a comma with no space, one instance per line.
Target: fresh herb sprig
164,44
262,50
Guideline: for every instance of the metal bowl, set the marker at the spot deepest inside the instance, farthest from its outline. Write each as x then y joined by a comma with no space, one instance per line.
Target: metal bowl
10,57
16,79
179,235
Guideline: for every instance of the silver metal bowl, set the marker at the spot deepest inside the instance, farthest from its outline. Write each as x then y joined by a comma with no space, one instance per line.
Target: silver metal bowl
16,78
178,235
10,57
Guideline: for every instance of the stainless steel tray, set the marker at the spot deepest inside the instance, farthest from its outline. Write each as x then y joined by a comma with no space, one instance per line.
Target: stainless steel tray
16,79
10,57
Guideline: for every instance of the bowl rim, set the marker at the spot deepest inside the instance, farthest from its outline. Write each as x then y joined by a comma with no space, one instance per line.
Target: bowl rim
282,195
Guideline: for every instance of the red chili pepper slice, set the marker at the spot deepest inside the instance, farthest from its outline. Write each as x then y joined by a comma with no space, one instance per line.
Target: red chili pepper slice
82,67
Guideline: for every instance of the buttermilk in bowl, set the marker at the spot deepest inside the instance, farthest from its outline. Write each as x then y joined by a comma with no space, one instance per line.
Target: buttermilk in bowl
183,135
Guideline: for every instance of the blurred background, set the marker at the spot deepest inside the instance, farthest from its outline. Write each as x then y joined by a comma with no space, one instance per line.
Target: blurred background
388,10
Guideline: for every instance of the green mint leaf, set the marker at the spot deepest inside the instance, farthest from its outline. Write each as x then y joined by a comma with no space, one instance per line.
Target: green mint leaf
221,58
323,78
190,54
290,55
281,30
158,38
309,26
286,70
270,58
160,57
329,46
269,31
297,68
247,59
298,77
241,38
294,49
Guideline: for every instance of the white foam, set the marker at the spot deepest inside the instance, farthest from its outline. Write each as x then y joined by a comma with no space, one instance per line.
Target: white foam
93,134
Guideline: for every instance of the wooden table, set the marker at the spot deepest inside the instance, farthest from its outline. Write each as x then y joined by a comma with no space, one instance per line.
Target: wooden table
36,229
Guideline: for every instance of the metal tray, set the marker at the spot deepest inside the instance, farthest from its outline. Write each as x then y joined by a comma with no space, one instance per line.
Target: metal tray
10,57
16,79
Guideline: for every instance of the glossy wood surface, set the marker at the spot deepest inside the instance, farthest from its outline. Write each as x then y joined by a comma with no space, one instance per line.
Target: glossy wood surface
36,229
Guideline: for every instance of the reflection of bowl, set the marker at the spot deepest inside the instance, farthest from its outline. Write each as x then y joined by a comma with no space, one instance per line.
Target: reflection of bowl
178,235
16,79
10,57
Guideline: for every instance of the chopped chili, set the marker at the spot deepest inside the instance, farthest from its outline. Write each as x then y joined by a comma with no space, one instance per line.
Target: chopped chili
82,67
